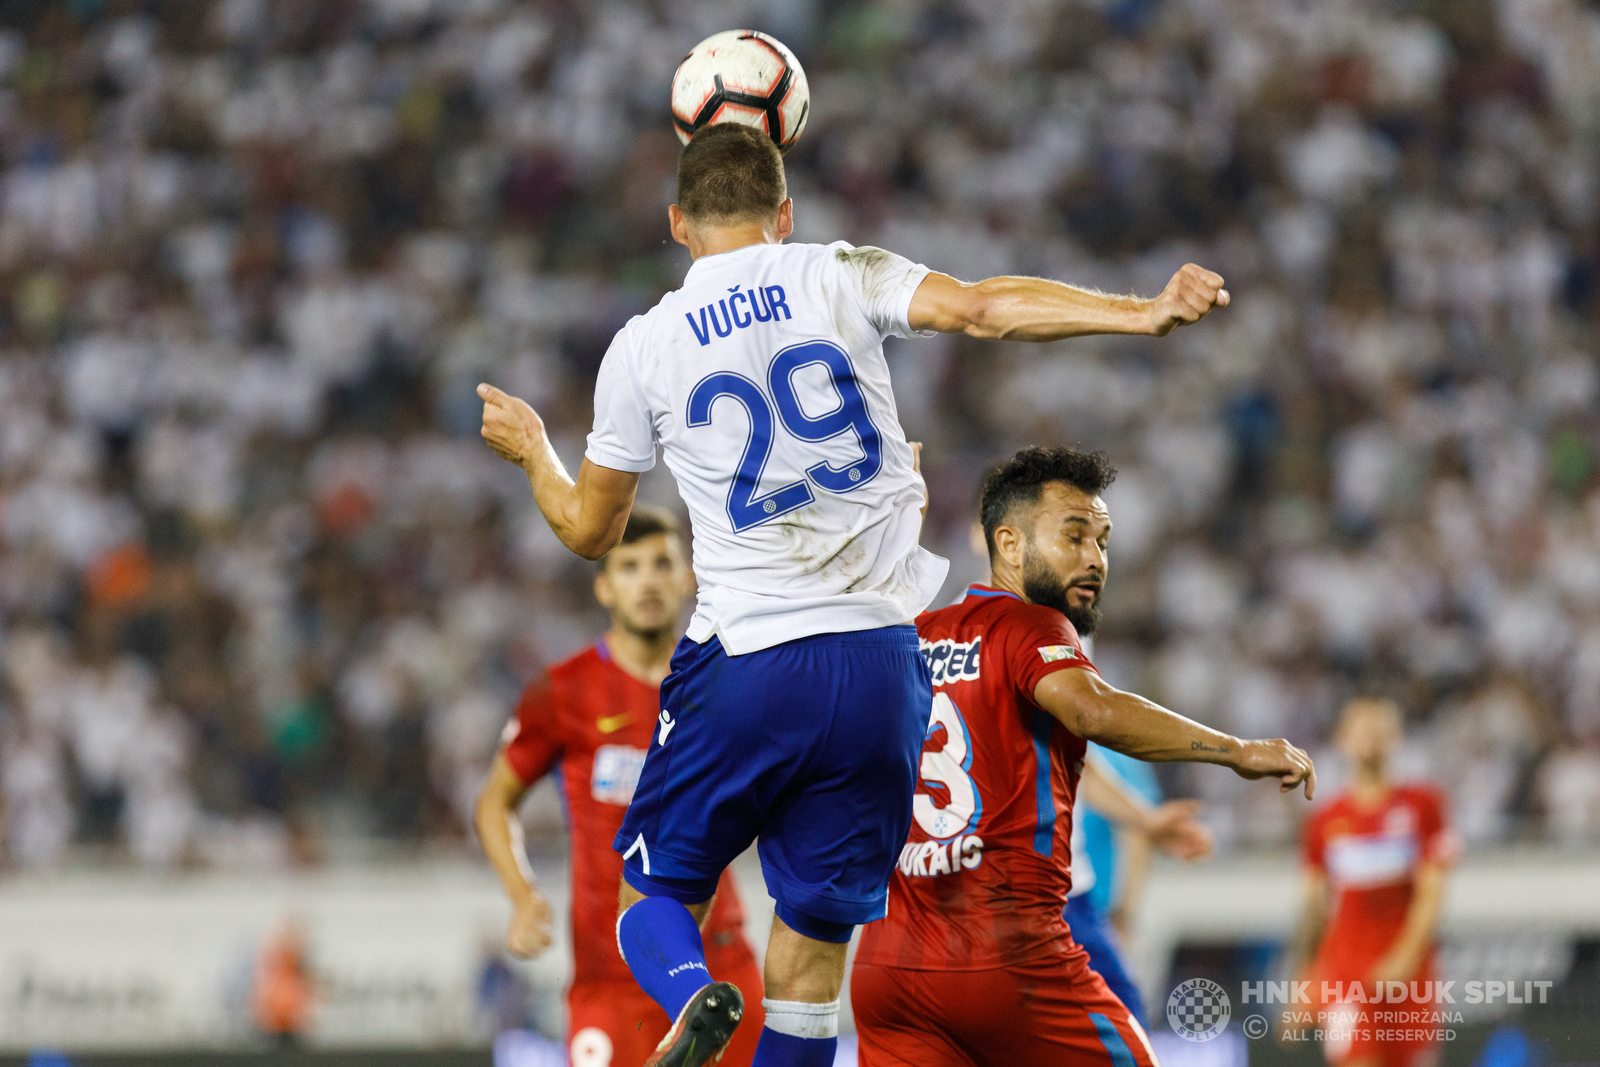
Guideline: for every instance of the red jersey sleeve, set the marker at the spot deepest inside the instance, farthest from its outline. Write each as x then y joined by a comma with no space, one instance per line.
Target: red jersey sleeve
1039,642
532,739
1314,843
1439,842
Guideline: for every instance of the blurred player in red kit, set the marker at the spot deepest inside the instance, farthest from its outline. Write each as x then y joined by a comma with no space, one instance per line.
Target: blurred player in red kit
590,718
1375,858
974,964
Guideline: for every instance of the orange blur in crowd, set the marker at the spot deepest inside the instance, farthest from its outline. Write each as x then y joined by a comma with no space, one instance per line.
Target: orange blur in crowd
281,996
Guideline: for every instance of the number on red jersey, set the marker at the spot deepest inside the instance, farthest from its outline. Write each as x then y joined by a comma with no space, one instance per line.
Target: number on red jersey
946,768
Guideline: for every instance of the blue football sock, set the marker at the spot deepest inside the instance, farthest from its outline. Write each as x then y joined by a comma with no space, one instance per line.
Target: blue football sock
786,1050
660,943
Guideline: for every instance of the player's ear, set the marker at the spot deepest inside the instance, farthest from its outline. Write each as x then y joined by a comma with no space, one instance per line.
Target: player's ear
785,218
678,222
1009,546
603,591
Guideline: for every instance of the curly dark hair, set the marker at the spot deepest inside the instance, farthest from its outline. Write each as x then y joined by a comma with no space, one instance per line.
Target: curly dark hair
1020,480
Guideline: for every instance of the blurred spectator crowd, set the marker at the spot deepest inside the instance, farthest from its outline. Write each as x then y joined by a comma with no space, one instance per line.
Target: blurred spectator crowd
265,597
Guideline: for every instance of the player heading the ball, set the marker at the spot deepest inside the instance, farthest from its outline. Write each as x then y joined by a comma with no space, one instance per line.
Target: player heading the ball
797,704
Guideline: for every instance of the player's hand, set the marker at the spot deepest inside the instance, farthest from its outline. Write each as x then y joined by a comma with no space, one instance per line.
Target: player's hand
1277,759
529,932
512,428
1175,830
1191,293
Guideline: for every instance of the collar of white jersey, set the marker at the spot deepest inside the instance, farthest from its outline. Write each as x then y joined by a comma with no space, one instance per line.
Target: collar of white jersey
717,260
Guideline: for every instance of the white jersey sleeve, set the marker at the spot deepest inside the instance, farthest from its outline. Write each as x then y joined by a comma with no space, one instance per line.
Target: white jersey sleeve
887,283
623,437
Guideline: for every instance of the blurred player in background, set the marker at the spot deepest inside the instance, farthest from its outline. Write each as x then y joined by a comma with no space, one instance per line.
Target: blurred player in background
974,963
797,706
1119,853
1116,808
1375,861
590,719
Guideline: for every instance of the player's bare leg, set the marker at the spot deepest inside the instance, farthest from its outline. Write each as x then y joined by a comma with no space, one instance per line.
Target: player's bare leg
803,978
801,968
660,942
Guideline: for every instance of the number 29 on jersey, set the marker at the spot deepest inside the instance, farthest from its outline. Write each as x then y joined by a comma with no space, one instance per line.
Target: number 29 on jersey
747,505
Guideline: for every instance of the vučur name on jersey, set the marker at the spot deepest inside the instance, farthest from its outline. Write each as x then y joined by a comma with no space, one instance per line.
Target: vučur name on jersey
738,312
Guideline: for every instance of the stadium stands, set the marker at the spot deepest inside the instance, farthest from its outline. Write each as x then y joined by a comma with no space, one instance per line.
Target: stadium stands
265,594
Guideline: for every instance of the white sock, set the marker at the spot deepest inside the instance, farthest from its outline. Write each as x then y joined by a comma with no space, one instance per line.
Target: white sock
799,1019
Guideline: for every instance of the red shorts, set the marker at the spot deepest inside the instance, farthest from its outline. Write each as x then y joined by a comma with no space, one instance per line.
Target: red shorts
614,1024
1049,1012
1395,1033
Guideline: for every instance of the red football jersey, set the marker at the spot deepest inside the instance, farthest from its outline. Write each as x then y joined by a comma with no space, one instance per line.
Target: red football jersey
592,721
1370,857
983,877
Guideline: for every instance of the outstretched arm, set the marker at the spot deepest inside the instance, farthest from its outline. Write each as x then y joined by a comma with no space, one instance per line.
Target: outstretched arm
1133,867
1037,309
1171,827
1097,711
500,831
587,514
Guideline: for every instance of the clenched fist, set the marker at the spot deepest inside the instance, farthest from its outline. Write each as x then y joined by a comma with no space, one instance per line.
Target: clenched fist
1191,293
529,932
512,428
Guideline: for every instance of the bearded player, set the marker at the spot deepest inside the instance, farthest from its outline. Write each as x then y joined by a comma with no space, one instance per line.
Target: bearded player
797,703
590,719
974,964
1375,856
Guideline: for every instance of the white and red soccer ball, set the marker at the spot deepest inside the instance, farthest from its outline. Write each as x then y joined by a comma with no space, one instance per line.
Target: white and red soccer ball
741,76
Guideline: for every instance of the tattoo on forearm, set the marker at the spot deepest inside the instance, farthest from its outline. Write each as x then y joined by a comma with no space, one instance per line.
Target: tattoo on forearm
1201,746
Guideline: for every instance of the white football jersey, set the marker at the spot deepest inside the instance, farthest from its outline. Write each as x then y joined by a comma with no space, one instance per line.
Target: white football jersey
764,382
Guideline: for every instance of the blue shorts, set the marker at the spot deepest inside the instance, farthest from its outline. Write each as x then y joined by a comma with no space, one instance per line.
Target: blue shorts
812,746
1093,930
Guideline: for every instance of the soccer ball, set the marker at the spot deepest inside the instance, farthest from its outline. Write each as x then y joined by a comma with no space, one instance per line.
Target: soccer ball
741,76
